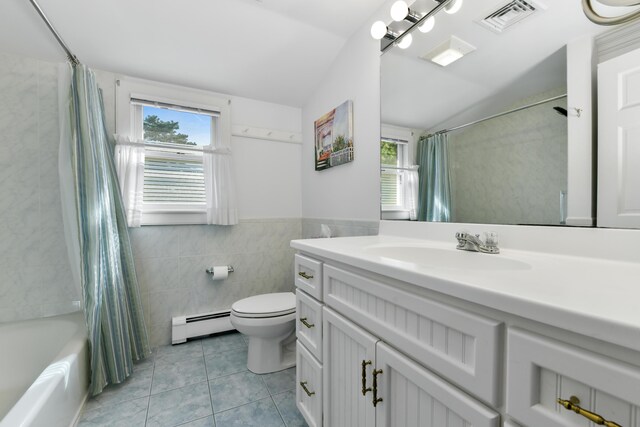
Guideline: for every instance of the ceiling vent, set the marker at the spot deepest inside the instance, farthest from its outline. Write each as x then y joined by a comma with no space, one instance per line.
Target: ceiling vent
510,14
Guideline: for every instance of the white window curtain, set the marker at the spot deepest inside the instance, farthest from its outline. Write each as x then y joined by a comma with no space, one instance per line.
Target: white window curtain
129,160
219,185
411,192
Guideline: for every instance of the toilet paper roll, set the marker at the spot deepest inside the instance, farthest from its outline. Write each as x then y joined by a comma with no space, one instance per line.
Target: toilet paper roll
220,272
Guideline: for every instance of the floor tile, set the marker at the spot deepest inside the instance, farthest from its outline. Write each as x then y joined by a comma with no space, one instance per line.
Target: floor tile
202,422
143,364
262,413
179,406
278,382
222,343
169,376
236,390
226,363
286,404
136,386
174,353
130,413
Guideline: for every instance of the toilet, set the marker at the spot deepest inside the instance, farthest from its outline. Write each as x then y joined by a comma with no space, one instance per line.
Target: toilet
269,322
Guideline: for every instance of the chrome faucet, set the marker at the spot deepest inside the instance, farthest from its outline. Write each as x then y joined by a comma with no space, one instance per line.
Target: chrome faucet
473,242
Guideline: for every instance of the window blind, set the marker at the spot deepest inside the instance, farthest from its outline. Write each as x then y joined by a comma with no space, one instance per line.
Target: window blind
389,184
169,179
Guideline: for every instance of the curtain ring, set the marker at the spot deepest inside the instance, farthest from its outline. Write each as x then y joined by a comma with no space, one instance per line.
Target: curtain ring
596,18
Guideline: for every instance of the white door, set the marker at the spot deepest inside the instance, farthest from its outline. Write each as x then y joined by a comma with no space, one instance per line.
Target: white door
619,141
345,348
411,396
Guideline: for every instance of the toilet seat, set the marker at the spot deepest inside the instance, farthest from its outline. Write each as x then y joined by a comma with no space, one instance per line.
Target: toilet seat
265,305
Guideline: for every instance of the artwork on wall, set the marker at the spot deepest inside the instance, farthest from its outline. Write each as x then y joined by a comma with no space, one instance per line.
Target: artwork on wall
334,137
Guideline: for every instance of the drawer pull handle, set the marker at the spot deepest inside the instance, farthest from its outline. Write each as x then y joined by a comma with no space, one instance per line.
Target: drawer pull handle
376,399
573,405
303,384
303,320
365,389
305,275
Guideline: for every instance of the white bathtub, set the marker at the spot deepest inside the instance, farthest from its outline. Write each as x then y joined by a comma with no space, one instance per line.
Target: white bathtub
44,371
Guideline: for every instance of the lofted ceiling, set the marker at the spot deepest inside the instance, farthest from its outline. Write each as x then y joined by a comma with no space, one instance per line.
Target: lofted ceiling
526,59
272,50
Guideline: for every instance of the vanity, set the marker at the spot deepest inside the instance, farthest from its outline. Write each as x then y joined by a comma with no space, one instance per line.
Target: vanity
402,329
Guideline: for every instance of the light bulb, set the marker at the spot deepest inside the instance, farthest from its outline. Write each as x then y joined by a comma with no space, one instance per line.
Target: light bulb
378,30
399,11
453,7
405,42
427,25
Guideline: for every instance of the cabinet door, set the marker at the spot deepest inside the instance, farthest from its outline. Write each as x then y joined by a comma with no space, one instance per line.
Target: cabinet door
345,347
414,397
309,386
619,141
541,370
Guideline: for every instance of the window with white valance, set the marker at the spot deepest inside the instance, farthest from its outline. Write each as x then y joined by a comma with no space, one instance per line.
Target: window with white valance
173,155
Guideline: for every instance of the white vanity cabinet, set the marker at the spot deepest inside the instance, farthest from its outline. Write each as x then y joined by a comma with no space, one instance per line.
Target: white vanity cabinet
393,355
309,390
368,383
541,370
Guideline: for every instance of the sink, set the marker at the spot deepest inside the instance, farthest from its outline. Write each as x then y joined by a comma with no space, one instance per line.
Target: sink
439,258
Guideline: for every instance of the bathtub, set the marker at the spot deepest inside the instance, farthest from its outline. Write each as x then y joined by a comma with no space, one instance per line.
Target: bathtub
44,371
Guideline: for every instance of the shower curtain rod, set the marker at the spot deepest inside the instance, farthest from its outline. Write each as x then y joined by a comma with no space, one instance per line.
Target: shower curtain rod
70,56
499,115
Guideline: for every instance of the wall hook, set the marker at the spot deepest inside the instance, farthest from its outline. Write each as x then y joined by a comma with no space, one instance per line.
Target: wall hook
578,111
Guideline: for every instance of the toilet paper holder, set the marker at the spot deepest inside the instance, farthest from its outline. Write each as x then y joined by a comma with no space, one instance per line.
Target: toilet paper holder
229,269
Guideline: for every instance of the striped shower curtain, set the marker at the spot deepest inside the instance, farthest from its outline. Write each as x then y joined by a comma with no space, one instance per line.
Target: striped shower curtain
97,234
434,187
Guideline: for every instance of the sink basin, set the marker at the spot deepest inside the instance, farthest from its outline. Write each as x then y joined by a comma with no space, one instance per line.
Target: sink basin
447,258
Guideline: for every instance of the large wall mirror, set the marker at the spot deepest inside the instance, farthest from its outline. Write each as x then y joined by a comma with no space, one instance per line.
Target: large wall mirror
492,136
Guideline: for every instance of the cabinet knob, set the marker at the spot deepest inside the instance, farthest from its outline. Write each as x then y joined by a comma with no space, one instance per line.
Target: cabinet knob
303,384
304,321
376,399
365,389
305,275
573,405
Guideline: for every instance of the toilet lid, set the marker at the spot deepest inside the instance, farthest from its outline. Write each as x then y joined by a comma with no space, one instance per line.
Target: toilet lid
266,305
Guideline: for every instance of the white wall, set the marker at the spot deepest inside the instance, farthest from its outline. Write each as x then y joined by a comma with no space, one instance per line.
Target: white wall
350,191
267,172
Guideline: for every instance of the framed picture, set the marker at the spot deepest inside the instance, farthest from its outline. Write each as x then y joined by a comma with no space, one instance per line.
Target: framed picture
334,137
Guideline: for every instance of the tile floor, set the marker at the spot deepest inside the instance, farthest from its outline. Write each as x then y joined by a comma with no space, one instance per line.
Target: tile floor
197,384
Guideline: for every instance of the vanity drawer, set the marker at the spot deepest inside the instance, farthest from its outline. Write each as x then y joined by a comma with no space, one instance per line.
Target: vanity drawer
458,345
309,323
308,386
541,370
309,275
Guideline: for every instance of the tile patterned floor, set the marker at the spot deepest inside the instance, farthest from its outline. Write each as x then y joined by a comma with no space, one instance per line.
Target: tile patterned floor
203,383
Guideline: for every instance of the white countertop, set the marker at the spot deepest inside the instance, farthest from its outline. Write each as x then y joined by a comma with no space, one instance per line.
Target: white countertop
594,297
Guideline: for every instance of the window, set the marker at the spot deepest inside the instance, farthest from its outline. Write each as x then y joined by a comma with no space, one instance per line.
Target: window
177,128
394,160
173,170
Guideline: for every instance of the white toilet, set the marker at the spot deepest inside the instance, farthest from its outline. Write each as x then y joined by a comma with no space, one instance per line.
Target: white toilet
269,322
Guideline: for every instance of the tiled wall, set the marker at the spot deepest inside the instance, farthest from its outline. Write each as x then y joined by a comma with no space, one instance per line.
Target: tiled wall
523,166
311,227
171,263
36,279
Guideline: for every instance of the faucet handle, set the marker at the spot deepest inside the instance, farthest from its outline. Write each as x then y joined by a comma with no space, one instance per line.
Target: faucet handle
491,238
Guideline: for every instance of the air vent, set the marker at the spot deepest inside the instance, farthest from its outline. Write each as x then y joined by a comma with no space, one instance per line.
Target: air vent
509,14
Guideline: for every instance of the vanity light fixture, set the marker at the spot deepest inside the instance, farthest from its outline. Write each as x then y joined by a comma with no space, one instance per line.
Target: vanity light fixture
427,25
405,42
449,51
400,12
453,7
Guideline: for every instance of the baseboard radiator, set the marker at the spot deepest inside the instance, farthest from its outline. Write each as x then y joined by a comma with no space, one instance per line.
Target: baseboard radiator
198,325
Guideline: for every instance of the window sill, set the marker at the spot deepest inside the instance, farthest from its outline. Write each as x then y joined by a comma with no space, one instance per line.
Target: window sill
173,218
391,214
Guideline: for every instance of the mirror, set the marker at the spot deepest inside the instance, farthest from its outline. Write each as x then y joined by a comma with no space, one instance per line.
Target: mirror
512,168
